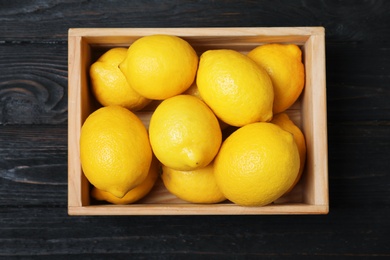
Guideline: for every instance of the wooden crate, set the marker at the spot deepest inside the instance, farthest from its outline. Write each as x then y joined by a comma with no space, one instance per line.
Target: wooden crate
310,195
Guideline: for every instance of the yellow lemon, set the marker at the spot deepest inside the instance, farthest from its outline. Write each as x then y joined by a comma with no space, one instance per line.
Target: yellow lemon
115,151
283,62
184,133
257,164
235,87
197,186
134,194
110,86
160,66
284,121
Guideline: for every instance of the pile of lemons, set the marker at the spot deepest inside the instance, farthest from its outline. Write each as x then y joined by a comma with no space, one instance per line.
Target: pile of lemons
261,158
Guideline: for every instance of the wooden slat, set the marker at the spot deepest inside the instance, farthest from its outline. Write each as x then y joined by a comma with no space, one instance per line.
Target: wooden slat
33,84
49,21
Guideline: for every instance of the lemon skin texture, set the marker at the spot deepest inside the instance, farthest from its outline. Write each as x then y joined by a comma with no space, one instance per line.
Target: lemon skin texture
110,86
197,186
184,133
160,66
237,90
134,194
283,63
115,151
284,121
257,164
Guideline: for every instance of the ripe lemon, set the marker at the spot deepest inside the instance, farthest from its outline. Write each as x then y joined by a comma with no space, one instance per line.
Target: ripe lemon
184,133
160,66
115,151
257,164
235,87
197,186
284,121
283,62
110,86
134,194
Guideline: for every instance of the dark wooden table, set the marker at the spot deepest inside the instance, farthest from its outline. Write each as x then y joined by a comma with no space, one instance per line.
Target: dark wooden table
33,136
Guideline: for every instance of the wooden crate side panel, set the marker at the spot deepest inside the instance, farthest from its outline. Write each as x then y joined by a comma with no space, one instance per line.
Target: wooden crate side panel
80,106
314,122
74,123
193,209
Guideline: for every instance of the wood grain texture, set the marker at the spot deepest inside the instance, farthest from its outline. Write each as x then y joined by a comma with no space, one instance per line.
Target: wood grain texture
33,165
41,20
33,83
358,84
33,143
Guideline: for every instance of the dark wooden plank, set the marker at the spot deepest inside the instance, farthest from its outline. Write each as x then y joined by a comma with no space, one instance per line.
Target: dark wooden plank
33,165
358,84
33,83
41,20
359,166
345,232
